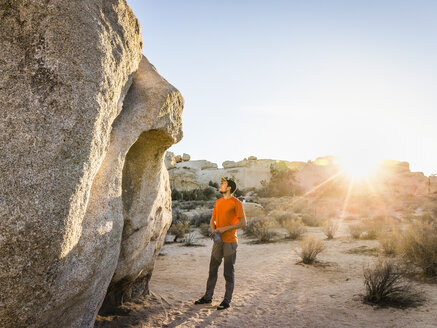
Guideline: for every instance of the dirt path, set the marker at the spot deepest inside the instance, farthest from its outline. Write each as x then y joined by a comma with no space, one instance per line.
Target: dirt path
271,290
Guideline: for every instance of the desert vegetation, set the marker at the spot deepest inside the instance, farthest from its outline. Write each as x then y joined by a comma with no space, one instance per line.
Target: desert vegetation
394,234
310,248
386,284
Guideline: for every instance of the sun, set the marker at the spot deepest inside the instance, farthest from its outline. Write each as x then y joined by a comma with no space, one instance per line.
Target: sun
358,168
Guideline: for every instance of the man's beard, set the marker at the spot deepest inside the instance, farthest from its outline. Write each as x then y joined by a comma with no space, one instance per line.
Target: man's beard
222,192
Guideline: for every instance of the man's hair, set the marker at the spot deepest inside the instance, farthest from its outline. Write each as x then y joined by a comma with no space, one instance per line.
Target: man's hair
231,183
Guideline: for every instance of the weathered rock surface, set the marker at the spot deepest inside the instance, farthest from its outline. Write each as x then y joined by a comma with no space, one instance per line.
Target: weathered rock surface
169,159
68,146
152,113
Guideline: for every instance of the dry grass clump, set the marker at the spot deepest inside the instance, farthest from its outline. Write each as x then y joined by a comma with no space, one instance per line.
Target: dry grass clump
385,284
260,229
356,230
282,217
191,239
388,240
371,229
330,228
310,248
311,220
295,228
418,246
366,229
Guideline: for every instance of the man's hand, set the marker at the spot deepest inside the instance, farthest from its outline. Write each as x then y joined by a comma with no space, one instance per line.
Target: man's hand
221,230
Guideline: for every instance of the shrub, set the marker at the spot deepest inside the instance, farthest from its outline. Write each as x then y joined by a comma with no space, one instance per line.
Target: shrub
356,230
283,217
418,245
260,229
330,228
310,248
385,283
388,241
202,217
282,182
179,229
205,229
190,239
250,227
204,194
295,228
371,229
312,220
213,184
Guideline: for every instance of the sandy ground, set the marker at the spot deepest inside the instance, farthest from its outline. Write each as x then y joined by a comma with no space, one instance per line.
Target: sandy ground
271,290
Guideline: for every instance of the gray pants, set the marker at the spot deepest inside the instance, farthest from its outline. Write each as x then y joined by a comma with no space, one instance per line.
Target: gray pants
228,251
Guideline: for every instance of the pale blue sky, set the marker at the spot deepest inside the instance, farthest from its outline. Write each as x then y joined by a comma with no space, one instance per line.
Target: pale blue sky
295,80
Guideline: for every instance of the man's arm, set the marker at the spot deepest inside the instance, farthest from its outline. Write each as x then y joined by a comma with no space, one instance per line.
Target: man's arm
240,224
212,223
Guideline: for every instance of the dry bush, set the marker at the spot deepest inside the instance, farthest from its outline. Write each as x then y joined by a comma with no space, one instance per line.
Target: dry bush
312,220
282,217
191,239
260,229
205,229
418,245
295,228
310,248
356,230
330,228
388,241
179,229
201,217
385,284
371,229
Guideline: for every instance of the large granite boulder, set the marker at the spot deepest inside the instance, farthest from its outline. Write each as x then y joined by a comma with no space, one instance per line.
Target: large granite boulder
78,167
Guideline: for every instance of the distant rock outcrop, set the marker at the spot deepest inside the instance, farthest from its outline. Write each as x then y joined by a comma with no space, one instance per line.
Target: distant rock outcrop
186,157
394,176
85,196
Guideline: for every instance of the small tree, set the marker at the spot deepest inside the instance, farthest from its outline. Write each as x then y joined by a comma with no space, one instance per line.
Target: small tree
282,182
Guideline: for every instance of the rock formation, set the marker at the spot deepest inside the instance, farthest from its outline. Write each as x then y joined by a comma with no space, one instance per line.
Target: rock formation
393,176
85,197
186,157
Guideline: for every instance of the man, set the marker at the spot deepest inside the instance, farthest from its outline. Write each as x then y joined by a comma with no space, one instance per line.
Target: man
227,216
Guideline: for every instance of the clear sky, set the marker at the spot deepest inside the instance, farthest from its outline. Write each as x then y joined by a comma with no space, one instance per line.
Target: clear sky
295,80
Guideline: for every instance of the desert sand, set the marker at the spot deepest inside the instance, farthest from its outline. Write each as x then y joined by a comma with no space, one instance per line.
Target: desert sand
272,289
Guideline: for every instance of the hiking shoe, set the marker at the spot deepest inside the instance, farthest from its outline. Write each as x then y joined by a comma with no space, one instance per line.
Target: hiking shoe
202,301
223,305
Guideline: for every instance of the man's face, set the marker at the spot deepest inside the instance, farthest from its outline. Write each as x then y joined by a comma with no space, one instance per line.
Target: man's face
223,187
